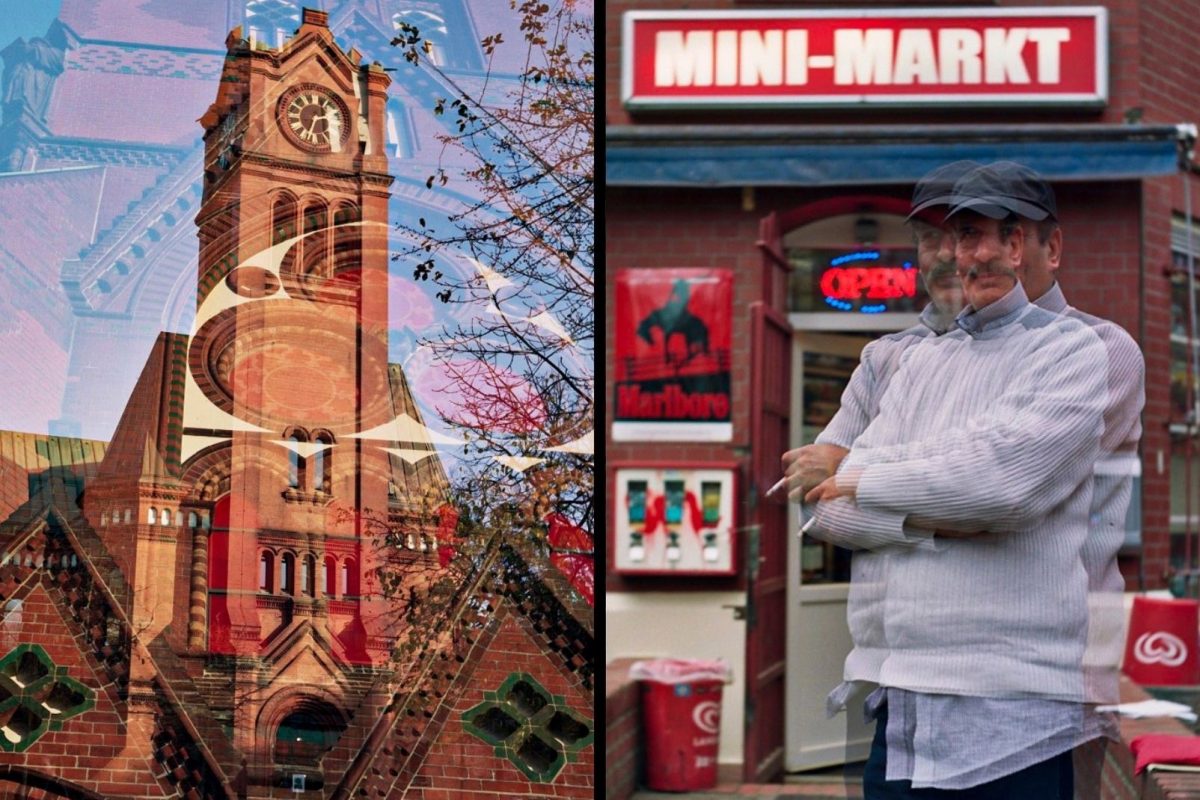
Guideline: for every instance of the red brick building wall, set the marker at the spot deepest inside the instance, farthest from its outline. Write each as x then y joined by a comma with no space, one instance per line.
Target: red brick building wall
105,750
461,765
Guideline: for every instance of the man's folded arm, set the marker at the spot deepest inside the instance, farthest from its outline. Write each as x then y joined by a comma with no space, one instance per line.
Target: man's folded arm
1013,465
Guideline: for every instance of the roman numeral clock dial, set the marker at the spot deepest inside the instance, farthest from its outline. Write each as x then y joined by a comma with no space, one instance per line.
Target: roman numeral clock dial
314,119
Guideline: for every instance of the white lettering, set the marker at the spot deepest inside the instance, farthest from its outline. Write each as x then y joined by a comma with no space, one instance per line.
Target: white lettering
1002,55
727,60
1049,48
762,58
914,57
681,60
862,57
958,55
797,58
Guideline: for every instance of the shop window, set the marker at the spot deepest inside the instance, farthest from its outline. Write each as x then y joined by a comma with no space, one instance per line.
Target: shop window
852,264
1185,397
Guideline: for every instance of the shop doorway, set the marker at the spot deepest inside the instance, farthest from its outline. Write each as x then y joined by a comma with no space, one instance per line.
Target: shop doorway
852,278
818,575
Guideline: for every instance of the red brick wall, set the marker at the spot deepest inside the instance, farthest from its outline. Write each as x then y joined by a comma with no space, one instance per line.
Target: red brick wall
105,750
676,228
459,765
622,731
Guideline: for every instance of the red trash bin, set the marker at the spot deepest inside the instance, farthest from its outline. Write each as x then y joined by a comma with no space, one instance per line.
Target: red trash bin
1160,649
681,717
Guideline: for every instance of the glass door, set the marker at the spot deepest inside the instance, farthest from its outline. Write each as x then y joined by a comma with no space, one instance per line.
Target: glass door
818,576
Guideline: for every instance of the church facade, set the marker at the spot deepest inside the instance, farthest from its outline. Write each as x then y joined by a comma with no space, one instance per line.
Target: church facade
211,604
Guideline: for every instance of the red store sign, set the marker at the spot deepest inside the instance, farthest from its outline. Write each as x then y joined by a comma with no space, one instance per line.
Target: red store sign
978,56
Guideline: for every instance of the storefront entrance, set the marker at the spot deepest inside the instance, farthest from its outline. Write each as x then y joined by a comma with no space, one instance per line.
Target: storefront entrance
853,278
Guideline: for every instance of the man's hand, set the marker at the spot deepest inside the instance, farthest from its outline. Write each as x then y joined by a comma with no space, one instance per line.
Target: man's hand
806,467
829,489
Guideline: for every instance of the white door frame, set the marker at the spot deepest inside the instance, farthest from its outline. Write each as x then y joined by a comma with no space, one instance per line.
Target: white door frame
817,637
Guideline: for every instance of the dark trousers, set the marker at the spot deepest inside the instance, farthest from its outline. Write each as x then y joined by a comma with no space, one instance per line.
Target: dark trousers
1052,779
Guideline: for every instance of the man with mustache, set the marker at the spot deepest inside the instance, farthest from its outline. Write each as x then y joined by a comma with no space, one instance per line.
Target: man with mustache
981,719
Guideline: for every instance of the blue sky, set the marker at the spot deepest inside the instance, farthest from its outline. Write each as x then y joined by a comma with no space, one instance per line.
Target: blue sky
25,18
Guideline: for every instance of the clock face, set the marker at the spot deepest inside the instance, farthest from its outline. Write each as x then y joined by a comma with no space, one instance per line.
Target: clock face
314,118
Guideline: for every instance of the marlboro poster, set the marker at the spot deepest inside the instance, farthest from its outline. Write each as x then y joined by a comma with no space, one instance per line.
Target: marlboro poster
673,332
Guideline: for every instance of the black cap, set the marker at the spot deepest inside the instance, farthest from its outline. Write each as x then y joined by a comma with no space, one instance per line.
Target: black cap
936,187
1004,188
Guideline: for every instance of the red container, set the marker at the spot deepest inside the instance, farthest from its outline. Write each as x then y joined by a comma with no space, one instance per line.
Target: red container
1160,649
682,722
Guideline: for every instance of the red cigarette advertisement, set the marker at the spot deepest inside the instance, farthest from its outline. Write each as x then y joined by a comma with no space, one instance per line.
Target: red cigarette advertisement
672,355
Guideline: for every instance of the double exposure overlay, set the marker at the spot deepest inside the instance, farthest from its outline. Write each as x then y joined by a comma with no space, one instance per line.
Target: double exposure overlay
296,425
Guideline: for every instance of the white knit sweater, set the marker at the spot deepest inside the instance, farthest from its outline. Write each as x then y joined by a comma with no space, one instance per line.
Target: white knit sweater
992,428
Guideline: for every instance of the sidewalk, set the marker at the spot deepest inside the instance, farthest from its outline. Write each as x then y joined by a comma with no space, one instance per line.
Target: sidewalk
825,785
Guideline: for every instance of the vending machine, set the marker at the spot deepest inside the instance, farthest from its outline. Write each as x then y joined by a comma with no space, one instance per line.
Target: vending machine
674,519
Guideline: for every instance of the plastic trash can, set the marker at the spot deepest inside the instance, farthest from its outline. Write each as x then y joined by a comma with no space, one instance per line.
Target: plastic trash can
681,718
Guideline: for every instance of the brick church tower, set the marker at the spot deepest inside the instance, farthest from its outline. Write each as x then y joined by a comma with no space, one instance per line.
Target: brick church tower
290,349
198,608
260,459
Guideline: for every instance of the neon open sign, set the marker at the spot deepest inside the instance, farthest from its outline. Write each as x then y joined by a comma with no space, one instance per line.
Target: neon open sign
848,282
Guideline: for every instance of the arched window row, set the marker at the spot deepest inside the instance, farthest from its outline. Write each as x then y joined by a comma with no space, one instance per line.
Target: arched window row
310,473
419,542
164,517
326,231
295,574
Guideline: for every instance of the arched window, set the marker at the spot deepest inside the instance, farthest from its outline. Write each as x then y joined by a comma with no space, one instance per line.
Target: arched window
307,577
296,463
103,519
165,517
193,520
347,239
283,227
128,515
307,733
322,464
316,250
329,576
349,578
287,573
266,571
151,516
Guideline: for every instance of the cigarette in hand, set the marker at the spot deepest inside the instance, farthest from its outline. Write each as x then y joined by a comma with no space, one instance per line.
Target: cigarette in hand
779,485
